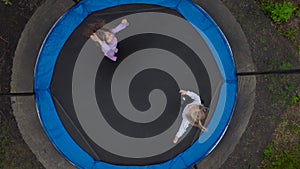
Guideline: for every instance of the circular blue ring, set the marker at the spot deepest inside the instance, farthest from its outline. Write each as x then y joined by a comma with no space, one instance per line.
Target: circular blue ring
63,28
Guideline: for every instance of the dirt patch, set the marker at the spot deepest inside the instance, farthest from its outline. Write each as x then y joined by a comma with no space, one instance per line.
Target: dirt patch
14,153
270,51
284,150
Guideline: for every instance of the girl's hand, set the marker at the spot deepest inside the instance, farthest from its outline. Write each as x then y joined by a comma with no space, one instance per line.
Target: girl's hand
125,22
175,140
183,92
95,38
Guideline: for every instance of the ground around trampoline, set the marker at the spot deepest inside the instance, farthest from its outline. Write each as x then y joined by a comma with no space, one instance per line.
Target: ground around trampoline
270,51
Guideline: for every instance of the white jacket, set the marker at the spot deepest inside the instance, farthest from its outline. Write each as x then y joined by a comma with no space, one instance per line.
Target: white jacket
185,123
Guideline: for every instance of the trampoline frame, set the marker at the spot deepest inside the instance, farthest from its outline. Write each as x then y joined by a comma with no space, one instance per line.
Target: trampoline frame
64,27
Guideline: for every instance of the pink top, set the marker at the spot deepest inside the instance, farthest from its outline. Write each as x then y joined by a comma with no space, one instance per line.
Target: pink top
111,49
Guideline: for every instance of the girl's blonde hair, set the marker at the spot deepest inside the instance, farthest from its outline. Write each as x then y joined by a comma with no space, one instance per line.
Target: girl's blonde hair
98,28
197,114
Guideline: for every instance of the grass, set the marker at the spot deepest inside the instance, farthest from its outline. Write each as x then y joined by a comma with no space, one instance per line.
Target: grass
290,33
242,4
280,86
270,150
7,2
262,40
298,12
284,151
295,99
278,12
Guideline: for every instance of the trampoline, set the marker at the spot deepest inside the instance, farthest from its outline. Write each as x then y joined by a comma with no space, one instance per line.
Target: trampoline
125,114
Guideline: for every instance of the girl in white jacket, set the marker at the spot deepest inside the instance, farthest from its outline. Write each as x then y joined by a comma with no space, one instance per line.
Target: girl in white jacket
192,114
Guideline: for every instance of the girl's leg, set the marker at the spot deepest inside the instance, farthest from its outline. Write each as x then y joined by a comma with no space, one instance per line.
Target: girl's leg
113,58
116,50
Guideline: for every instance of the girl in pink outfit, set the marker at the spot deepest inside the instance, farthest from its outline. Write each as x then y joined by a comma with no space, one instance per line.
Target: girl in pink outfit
107,39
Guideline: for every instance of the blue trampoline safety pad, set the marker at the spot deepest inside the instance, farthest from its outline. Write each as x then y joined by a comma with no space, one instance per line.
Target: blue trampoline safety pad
62,30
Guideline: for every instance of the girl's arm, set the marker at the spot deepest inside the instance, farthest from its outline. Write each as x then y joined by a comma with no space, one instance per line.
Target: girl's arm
120,27
182,129
201,126
195,97
96,39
